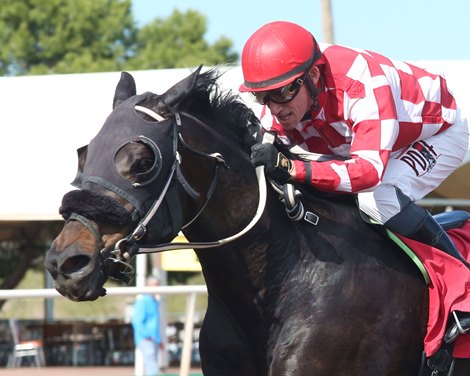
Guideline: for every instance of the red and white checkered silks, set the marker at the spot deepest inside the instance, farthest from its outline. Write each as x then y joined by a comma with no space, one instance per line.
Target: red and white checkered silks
370,106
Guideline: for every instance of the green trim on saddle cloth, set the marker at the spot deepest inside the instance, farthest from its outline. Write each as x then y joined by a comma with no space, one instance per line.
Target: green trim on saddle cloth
411,254
400,243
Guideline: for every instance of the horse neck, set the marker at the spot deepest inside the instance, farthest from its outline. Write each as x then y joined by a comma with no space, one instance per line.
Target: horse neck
230,208
235,198
243,269
262,256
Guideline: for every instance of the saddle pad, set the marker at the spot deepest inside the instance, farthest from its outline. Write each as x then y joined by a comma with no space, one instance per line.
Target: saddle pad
449,289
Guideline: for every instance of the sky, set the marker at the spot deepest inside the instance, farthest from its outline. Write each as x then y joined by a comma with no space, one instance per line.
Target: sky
409,30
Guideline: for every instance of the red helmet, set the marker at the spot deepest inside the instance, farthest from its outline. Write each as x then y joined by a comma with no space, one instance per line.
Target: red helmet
276,54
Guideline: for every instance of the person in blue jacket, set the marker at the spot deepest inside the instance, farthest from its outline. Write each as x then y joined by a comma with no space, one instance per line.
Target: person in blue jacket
146,324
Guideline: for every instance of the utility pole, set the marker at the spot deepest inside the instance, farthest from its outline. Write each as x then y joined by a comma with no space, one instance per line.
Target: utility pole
327,22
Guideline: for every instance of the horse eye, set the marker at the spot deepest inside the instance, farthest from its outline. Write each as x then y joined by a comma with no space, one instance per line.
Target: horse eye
142,166
139,162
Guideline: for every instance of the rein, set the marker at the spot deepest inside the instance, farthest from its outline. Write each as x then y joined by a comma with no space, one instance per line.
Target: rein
127,247
218,243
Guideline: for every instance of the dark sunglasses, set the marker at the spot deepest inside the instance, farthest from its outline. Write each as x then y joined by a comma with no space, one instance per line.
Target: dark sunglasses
281,95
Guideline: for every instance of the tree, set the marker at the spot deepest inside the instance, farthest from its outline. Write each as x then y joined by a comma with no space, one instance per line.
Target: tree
22,246
178,41
64,36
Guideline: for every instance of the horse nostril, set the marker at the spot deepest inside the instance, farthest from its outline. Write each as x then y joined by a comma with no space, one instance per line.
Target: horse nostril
74,264
52,267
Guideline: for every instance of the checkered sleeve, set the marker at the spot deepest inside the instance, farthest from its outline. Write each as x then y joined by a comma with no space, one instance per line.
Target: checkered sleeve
368,105
371,107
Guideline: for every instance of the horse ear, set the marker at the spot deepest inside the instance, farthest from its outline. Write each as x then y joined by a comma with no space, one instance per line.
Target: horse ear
82,153
178,92
124,89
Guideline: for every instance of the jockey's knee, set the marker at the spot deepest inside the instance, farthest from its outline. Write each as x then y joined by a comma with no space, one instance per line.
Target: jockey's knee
383,203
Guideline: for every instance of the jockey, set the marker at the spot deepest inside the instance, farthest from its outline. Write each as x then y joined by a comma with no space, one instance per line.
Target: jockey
392,131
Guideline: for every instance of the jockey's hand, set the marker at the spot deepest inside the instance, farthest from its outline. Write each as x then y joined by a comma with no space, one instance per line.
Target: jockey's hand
276,165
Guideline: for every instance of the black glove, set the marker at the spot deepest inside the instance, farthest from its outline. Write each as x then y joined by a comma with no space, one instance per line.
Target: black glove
276,164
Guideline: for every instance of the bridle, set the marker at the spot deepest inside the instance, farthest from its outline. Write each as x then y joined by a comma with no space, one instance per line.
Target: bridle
129,246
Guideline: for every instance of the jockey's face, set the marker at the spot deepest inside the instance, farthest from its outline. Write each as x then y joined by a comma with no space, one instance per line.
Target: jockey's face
290,113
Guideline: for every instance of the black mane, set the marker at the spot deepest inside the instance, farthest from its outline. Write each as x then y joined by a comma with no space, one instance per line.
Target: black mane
201,96
225,109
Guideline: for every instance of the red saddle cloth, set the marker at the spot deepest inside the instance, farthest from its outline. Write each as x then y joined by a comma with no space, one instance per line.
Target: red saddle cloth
449,289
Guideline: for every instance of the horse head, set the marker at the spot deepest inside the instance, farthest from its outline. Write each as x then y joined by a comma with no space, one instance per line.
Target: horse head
136,180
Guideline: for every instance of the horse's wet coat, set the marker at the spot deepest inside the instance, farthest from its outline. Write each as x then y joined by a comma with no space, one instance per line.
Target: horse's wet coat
285,299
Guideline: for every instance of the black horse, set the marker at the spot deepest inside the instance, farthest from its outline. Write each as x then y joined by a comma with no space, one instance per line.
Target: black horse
284,297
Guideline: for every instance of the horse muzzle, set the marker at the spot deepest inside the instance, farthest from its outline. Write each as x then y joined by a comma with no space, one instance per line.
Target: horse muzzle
78,276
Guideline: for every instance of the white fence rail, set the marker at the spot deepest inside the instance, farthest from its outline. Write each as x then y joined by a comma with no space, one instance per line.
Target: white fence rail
111,291
190,291
447,202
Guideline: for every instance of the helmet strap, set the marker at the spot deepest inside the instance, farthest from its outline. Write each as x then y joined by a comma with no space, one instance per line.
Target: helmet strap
313,93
